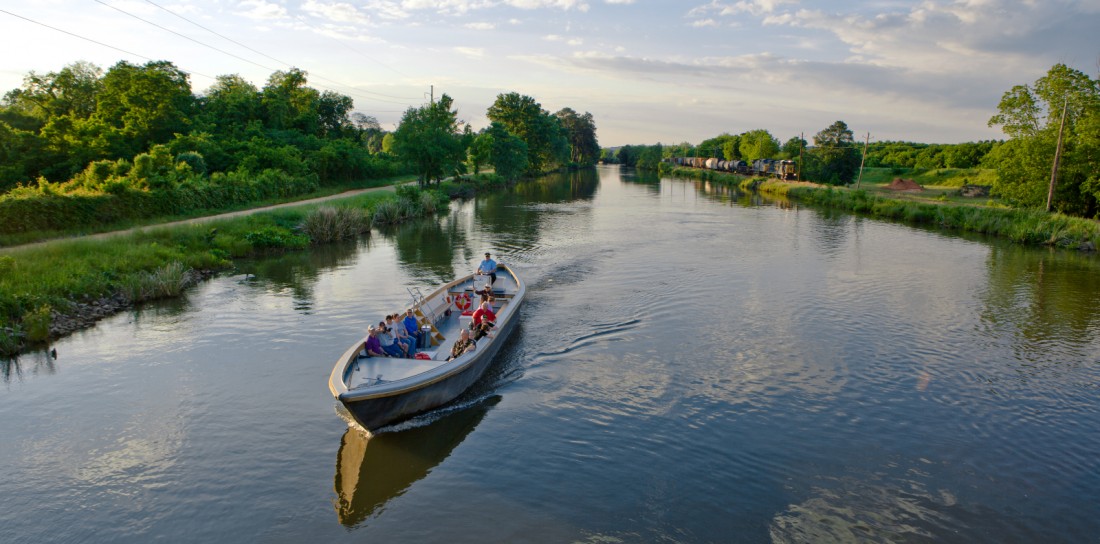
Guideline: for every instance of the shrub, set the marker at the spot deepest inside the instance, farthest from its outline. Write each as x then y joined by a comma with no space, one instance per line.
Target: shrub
275,238
327,223
167,281
387,212
37,324
194,160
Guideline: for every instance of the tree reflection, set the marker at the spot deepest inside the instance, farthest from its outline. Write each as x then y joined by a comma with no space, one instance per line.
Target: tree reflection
650,180
298,271
37,362
1049,299
428,246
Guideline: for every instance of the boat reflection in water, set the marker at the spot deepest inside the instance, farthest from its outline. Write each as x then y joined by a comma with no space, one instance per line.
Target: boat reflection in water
371,470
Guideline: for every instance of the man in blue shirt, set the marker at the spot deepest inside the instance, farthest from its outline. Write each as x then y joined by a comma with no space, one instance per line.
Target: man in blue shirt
488,266
412,326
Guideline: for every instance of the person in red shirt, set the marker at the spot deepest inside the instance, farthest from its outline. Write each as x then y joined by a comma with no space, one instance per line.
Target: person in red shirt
483,320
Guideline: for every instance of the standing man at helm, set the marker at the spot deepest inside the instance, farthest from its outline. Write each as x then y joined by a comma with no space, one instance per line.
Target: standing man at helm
488,266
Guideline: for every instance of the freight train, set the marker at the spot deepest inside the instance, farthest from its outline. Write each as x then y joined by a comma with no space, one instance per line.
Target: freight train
760,167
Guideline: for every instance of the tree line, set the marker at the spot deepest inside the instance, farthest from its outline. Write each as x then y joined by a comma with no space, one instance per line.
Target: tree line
1030,115
522,138
84,146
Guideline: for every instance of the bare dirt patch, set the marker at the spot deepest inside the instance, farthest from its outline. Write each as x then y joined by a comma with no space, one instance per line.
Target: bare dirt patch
905,185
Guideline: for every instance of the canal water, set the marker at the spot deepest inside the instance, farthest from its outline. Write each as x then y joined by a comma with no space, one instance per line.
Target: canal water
692,365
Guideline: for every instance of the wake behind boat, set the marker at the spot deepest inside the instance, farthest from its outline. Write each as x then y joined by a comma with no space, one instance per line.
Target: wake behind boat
378,391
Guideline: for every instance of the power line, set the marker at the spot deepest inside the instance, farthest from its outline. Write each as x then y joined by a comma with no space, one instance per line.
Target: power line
231,40
222,36
96,42
101,2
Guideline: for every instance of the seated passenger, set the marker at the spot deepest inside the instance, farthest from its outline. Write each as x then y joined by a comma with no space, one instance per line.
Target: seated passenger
401,335
390,347
372,347
483,320
464,344
412,326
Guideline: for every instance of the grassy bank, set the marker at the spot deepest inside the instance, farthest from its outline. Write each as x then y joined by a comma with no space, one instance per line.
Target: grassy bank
1029,227
122,221
47,291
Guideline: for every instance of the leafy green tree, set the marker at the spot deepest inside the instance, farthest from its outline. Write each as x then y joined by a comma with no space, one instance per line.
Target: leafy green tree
650,157
758,144
229,104
145,105
524,117
507,152
835,157
724,146
584,149
1030,116
429,138
792,148
69,92
289,104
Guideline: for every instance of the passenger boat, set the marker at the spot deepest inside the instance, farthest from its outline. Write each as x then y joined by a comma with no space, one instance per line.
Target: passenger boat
378,391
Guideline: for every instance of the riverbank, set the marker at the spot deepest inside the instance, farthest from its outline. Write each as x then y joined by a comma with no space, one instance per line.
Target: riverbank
50,290
1028,227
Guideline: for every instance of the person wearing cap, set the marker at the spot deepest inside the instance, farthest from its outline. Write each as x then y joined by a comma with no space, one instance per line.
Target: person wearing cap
488,266
372,347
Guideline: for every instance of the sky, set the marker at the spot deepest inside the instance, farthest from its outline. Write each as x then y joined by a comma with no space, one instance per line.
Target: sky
648,70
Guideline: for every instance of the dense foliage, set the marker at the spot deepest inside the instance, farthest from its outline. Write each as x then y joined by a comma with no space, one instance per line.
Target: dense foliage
1031,116
548,145
431,139
81,147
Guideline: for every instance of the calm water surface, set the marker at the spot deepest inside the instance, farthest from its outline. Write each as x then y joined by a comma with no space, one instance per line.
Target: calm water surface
691,366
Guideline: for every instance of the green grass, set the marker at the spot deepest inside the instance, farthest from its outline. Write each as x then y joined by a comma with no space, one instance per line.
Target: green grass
16,239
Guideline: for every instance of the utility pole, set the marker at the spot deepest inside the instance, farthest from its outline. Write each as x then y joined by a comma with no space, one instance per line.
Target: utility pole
433,94
864,159
801,140
1057,155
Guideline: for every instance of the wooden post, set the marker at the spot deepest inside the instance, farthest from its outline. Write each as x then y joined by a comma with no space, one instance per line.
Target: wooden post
1057,156
864,159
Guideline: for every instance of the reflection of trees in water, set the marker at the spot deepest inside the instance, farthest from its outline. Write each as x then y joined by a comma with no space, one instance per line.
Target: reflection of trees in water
556,188
371,471
428,246
648,179
298,271
35,362
513,221
1049,299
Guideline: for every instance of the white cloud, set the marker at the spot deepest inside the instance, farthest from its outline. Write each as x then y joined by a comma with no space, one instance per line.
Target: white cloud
336,11
473,52
480,26
259,9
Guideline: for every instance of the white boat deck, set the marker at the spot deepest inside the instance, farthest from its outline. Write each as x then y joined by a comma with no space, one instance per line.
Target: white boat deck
369,371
